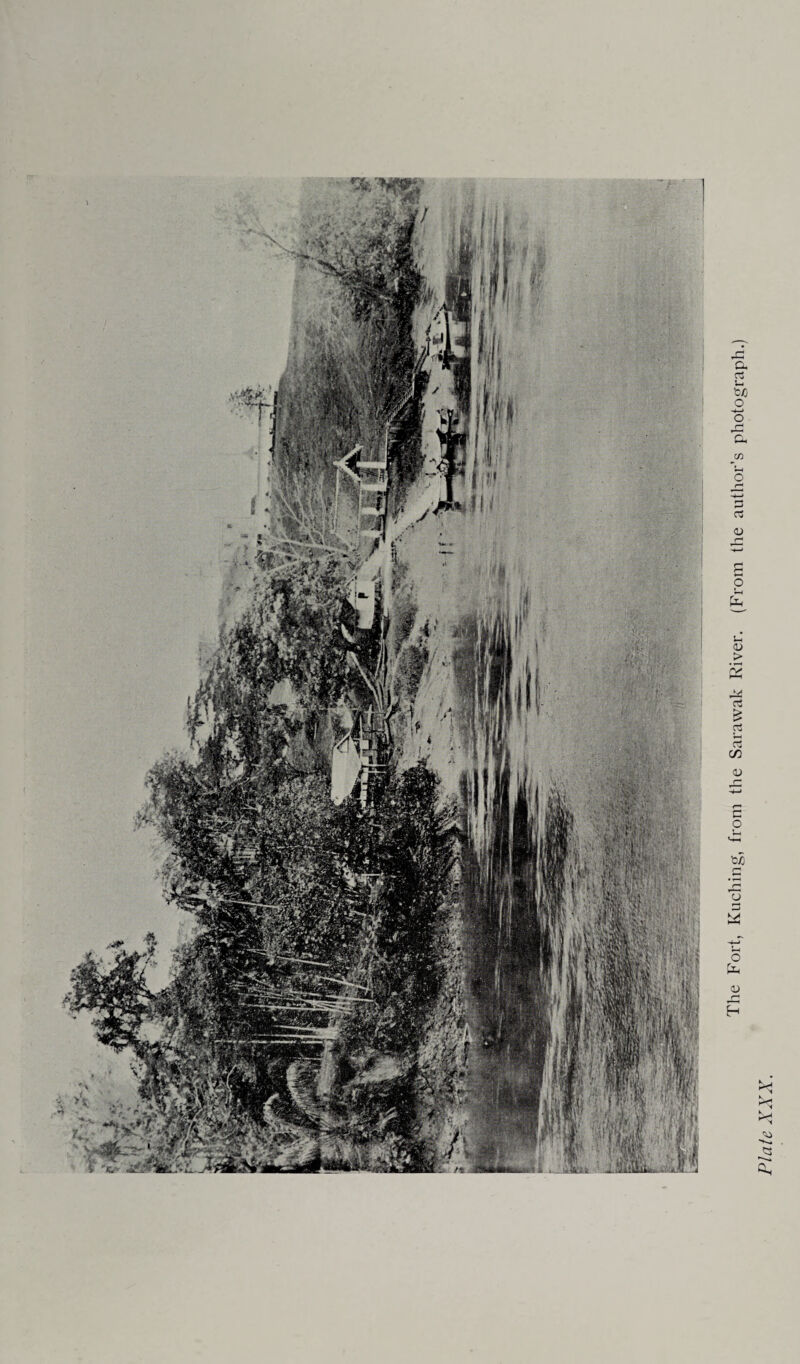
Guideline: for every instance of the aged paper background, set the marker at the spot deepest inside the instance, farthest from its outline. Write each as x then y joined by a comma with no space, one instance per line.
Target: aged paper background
506,1268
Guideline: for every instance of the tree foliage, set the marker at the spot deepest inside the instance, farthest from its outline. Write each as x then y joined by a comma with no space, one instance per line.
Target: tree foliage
244,401
173,1120
114,993
294,616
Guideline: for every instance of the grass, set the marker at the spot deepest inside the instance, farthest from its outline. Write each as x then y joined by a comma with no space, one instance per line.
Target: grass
346,367
409,670
404,607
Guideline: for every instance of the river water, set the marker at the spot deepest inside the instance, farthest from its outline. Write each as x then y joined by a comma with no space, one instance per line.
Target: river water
579,665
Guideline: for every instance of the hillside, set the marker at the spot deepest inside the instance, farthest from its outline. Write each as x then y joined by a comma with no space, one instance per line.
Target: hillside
346,365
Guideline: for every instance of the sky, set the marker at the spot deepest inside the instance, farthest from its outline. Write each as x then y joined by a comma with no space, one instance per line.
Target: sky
144,314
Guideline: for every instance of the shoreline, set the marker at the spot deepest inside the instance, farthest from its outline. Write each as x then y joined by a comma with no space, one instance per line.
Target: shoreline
425,558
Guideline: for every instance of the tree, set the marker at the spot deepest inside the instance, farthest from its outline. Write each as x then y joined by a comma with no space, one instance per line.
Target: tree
178,1114
181,803
327,256
115,993
104,1126
313,906
196,997
244,400
355,233
294,613
306,528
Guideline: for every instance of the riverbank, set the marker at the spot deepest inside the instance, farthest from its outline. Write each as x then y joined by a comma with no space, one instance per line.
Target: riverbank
425,620
423,632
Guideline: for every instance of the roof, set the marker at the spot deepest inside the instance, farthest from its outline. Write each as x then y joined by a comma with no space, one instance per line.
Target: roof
347,463
345,768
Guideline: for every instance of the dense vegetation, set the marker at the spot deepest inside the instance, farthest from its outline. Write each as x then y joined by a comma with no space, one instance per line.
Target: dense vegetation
312,921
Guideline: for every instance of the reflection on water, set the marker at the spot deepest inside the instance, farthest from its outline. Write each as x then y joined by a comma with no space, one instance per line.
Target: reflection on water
580,667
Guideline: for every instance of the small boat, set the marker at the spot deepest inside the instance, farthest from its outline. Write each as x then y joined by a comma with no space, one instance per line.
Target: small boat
447,338
450,469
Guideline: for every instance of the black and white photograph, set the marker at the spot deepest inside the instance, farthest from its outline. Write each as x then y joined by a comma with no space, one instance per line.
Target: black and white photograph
397,564
363,575
364,555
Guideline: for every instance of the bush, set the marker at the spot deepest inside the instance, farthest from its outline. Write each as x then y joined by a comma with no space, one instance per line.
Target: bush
404,610
408,672
415,860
